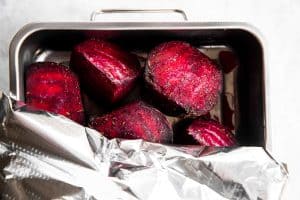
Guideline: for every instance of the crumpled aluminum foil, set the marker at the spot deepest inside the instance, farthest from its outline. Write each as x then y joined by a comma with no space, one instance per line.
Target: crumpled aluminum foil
46,156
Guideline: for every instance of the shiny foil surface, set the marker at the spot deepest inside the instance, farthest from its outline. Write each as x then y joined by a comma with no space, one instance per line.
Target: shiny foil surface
46,156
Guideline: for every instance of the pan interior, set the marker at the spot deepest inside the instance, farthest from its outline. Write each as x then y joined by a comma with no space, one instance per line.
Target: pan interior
243,88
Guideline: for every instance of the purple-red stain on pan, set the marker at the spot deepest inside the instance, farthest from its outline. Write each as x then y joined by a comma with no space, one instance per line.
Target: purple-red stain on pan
227,113
55,88
136,120
228,61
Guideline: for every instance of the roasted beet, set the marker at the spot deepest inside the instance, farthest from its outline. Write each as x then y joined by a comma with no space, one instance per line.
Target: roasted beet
107,72
55,88
136,120
228,61
211,133
186,78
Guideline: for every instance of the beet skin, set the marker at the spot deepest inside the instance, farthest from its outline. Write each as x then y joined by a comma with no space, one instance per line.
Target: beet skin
55,88
107,72
136,120
184,77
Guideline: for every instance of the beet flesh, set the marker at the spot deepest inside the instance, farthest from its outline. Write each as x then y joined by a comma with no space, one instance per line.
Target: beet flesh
107,72
211,133
183,77
135,120
55,88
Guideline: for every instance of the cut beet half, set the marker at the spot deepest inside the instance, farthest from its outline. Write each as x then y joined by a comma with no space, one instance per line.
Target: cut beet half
136,120
106,71
184,77
211,133
55,88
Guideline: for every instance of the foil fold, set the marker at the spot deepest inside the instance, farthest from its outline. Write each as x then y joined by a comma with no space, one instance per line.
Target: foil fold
47,156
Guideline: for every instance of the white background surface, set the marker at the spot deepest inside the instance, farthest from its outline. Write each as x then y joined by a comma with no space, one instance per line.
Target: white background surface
278,21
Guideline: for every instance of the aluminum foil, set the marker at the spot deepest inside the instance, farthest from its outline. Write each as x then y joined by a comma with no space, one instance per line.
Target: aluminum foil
46,156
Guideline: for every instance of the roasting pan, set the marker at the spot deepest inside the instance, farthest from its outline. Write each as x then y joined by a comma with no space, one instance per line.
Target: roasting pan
54,42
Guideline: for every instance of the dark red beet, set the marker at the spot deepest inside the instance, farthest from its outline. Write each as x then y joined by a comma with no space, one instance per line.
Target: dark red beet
55,88
211,133
104,69
228,61
184,76
134,121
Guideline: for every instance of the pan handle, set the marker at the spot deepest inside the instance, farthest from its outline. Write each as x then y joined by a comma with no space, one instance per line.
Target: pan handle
109,11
